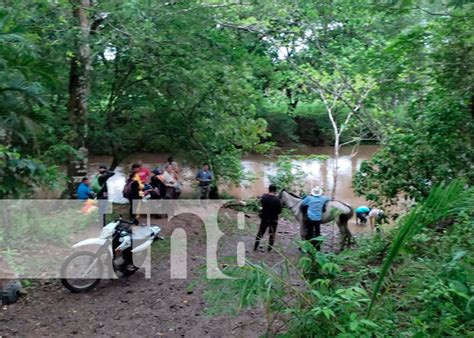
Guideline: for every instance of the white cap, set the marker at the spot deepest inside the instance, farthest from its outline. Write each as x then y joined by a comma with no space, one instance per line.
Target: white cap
317,191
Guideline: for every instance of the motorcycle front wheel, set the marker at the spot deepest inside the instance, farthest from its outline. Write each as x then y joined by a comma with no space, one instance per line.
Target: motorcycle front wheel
82,271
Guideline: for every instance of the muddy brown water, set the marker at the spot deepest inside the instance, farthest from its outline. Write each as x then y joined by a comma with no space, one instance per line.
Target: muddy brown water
260,167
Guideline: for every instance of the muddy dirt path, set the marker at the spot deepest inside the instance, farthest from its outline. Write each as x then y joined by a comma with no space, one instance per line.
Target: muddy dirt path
158,306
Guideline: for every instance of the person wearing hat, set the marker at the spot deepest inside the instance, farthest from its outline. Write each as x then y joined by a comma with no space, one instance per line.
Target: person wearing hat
315,203
102,195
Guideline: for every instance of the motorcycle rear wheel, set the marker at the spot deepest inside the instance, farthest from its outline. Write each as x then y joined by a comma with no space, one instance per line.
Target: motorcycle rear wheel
78,285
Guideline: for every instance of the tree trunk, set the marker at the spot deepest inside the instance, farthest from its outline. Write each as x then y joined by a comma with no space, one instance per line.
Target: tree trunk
335,168
79,91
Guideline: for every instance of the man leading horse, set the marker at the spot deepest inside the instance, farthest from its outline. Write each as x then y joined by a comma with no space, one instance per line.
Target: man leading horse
333,210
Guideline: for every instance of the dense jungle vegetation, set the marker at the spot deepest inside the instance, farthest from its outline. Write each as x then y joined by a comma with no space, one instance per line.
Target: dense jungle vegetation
215,80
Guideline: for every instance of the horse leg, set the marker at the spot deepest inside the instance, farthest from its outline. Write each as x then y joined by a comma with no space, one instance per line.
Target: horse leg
346,236
342,234
302,231
349,237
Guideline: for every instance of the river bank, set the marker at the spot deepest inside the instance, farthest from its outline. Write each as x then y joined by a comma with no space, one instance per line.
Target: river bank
158,306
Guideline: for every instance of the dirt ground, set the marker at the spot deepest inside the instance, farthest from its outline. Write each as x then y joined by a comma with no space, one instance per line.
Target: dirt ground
158,306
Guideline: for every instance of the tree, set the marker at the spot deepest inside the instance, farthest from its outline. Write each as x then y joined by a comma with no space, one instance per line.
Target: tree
431,143
317,44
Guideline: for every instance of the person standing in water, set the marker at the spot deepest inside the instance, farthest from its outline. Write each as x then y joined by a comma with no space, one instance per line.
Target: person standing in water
271,208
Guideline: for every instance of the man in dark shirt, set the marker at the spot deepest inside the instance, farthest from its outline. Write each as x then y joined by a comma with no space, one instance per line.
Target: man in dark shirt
102,177
158,187
136,188
271,208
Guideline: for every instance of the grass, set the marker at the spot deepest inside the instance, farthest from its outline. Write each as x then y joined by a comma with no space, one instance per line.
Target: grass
424,268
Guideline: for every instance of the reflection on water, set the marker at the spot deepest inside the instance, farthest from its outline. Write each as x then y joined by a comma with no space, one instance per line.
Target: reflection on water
259,166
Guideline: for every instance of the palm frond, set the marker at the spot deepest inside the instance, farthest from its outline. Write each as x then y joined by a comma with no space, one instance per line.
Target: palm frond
441,202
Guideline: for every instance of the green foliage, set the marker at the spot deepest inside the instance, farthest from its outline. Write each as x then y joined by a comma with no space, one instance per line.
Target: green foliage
426,279
441,203
289,174
19,175
314,127
20,91
313,306
280,124
430,132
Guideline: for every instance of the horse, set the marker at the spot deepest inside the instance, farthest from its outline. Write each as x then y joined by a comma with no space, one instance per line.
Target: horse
335,210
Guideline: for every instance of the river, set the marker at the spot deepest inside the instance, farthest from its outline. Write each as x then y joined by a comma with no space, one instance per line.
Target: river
260,166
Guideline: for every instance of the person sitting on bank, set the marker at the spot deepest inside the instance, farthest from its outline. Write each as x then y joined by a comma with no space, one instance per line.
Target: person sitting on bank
271,208
315,203
84,190
361,214
204,177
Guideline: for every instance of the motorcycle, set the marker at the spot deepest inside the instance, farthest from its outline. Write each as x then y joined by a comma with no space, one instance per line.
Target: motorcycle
83,270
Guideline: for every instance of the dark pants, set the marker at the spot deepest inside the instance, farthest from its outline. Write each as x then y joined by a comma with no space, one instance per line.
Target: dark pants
362,216
103,204
204,192
171,193
272,227
313,230
132,215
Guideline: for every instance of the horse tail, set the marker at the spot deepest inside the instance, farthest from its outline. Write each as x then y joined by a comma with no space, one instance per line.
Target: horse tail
348,216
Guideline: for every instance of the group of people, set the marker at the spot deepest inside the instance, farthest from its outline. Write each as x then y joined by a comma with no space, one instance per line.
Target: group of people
363,212
271,207
161,183
313,207
97,188
165,182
